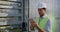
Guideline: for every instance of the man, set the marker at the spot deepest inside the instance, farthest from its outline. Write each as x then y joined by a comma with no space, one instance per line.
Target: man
42,23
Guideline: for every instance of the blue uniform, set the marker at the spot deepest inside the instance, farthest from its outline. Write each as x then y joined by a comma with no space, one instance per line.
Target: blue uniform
48,25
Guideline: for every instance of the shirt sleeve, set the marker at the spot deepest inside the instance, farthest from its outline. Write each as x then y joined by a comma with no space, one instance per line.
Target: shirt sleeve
48,26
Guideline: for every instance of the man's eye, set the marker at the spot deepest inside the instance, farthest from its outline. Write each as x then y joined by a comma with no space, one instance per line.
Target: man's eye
39,9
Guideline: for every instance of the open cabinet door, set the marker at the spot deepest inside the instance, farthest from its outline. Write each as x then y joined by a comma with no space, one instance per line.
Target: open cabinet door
25,23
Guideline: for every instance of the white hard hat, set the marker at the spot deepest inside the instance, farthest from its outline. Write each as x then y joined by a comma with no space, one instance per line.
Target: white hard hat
42,5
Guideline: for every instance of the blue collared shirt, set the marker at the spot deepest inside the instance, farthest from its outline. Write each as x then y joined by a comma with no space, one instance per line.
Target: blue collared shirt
48,25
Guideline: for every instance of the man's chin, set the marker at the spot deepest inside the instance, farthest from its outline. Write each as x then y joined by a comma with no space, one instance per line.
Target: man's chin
40,14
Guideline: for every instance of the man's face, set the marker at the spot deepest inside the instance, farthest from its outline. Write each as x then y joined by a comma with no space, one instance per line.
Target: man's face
41,11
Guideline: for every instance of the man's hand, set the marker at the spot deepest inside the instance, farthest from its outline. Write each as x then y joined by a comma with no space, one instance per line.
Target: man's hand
33,23
36,25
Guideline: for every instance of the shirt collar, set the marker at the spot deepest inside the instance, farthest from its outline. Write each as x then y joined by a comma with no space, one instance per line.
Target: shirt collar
43,16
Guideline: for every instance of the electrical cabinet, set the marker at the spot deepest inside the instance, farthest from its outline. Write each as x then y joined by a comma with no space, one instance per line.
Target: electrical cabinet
13,14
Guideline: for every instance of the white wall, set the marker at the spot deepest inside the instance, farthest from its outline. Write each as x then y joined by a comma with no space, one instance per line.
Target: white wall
33,6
